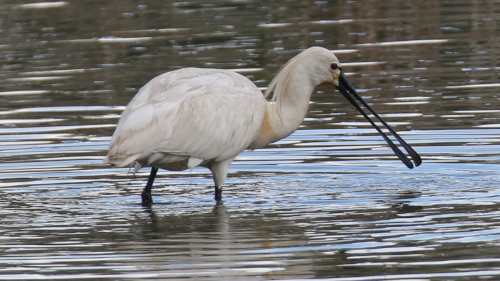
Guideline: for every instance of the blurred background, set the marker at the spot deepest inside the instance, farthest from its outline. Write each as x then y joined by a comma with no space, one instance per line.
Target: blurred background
331,201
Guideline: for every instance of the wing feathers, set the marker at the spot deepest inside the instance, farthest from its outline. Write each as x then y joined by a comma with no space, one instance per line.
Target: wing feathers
202,113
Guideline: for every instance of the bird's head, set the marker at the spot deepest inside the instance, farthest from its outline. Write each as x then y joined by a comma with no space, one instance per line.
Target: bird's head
323,66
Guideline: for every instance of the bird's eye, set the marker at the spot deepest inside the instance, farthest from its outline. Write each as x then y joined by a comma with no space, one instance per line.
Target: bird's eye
334,66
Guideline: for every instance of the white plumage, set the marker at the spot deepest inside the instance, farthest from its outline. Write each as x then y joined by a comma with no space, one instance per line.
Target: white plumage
206,114
194,116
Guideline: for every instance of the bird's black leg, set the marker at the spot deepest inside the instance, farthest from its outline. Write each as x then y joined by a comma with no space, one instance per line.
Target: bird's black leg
147,200
218,194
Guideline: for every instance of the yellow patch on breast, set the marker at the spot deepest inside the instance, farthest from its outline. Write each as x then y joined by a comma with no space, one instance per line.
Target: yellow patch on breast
266,128
265,133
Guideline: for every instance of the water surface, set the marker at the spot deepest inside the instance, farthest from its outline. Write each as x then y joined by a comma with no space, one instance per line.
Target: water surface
329,202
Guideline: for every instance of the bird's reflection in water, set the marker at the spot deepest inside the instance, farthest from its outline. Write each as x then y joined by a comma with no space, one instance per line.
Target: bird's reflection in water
216,220
216,239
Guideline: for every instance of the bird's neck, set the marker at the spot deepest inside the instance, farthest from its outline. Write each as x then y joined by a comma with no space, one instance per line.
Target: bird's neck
284,116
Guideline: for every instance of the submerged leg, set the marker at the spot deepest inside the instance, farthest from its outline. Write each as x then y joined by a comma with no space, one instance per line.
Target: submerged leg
219,172
147,200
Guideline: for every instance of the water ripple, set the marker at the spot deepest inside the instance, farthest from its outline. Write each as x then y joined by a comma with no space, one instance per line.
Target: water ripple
329,202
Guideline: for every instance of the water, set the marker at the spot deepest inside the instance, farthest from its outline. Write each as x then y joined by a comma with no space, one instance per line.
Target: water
330,202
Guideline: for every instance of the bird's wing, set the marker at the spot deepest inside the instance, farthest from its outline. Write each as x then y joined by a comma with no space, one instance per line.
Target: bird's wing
201,113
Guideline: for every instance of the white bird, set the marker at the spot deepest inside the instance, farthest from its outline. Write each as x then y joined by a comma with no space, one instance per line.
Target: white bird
205,117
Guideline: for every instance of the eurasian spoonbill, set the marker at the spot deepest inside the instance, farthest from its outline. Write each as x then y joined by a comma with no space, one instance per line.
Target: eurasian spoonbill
205,117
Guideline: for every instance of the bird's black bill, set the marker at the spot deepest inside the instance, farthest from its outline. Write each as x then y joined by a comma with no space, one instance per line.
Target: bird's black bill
348,91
